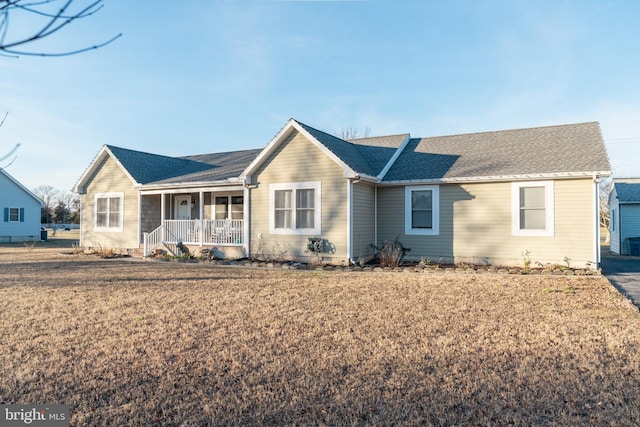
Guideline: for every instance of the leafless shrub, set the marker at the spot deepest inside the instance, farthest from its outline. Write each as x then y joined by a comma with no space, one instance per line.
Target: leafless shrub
391,254
279,250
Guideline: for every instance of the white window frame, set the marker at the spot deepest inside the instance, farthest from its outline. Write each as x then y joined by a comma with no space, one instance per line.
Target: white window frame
294,187
549,197
120,227
435,217
18,214
614,222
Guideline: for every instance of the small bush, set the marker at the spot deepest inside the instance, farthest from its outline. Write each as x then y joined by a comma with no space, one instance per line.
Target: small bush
391,254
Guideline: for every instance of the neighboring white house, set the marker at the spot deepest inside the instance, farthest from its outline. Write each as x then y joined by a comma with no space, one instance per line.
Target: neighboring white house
20,210
624,208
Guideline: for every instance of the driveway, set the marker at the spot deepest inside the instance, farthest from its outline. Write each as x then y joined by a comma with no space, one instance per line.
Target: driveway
623,272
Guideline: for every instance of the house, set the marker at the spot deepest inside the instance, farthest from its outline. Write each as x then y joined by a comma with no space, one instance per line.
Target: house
624,208
491,197
20,209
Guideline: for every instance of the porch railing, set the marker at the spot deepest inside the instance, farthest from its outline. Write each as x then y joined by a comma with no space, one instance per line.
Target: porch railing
229,232
207,231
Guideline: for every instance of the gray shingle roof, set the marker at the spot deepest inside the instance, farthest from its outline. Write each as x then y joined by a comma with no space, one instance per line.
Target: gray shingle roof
571,148
364,155
628,191
543,150
147,168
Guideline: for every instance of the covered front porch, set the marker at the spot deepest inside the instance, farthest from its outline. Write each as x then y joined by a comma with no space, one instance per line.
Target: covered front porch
206,218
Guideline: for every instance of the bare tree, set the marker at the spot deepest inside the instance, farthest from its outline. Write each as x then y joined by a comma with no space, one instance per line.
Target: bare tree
11,152
604,190
47,17
49,196
353,133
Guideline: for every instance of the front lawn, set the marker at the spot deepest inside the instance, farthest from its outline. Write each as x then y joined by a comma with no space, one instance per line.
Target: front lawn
128,342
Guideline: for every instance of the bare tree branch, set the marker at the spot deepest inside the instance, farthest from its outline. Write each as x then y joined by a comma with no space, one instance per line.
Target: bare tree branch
353,133
13,150
53,22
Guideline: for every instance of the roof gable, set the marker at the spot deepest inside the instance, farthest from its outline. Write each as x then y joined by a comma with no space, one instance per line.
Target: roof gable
147,169
21,187
364,157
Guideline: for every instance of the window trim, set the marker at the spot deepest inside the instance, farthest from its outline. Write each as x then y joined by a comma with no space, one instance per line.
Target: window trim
435,217
18,211
112,195
294,187
549,197
613,221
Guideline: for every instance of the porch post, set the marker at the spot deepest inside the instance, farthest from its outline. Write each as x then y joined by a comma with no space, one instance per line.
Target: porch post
162,213
201,216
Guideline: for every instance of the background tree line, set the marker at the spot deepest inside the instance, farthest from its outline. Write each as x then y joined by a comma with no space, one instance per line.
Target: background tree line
60,207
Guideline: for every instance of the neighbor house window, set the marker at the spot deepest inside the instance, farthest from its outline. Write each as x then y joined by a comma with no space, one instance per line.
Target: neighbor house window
109,211
422,210
532,208
295,208
13,214
613,220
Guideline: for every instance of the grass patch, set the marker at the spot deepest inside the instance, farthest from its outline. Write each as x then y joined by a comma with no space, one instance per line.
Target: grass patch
141,343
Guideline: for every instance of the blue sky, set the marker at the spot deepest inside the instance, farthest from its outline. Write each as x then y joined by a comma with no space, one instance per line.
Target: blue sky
194,77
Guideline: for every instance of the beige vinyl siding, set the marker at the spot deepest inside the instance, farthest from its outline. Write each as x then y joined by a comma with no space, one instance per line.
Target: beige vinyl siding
475,225
299,160
110,178
363,220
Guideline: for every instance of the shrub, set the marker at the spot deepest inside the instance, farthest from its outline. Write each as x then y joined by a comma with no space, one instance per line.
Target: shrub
391,254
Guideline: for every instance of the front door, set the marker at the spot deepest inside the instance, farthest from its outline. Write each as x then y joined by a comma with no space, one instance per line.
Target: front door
183,207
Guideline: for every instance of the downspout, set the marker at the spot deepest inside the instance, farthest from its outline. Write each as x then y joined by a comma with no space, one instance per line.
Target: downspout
247,221
596,248
375,217
139,217
350,220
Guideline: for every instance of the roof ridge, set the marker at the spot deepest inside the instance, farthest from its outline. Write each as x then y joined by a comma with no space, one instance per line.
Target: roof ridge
511,130
379,136
219,153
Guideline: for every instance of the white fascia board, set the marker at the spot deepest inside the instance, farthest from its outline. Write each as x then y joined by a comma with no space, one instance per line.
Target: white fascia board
190,189
22,187
347,171
93,167
266,151
279,138
497,178
393,159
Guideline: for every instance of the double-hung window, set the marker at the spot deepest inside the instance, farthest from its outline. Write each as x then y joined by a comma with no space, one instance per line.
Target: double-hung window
422,210
109,211
295,208
13,214
532,208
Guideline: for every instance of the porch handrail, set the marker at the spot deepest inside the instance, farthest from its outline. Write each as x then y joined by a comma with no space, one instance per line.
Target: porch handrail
153,239
195,232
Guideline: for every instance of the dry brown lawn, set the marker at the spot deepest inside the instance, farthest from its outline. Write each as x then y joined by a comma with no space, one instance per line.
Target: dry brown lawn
127,342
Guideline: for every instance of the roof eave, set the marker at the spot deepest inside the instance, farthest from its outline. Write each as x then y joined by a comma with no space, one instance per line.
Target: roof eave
501,178
289,127
189,184
80,186
22,187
